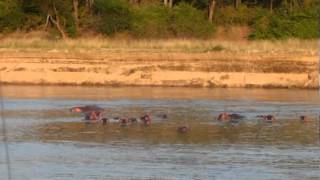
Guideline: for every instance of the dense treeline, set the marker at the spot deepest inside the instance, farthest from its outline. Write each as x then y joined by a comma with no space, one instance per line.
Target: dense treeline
268,19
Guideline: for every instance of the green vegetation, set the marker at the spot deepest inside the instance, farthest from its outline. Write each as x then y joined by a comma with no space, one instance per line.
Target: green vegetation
302,24
156,19
113,16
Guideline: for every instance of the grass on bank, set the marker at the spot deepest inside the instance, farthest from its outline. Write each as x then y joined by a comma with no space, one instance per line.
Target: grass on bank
22,42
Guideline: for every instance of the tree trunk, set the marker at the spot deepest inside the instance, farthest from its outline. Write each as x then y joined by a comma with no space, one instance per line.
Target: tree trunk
47,22
211,10
56,22
165,3
75,13
271,5
170,3
237,3
89,4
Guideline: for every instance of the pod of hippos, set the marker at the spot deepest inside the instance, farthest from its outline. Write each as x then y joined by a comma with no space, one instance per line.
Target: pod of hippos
94,113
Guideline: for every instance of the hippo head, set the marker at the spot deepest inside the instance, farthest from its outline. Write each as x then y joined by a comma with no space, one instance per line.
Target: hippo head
183,129
146,119
224,117
124,121
104,120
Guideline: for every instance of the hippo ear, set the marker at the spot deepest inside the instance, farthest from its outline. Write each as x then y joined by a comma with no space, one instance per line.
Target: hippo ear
76,109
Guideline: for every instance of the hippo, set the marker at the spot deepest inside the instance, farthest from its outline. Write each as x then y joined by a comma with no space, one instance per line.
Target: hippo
124,121
87,108
228,117
104,121
91,112
133,120
162,116
146,119
267,118
304,119
183,129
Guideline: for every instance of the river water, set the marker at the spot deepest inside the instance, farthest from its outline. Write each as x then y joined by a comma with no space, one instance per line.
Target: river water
46,141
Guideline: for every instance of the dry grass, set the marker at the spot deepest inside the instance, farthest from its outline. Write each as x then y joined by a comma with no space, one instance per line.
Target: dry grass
38,41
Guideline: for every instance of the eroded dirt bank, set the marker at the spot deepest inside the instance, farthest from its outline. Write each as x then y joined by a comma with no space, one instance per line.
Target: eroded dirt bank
207,69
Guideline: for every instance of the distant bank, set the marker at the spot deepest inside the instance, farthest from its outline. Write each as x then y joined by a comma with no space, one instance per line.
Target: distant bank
114,67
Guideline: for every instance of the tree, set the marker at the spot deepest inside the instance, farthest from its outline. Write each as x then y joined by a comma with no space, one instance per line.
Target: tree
75,4
62,14
168,3
237,3
211,8
89,4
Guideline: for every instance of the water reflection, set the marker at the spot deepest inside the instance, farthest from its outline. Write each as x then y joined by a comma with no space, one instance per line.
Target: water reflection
107,93
286,132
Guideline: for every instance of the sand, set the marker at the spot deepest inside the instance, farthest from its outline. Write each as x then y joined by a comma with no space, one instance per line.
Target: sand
152,68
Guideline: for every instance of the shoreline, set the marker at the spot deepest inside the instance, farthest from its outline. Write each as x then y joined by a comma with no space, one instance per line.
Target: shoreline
160,68
152,86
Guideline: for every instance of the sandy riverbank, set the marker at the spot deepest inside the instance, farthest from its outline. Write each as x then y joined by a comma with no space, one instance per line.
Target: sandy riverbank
160,68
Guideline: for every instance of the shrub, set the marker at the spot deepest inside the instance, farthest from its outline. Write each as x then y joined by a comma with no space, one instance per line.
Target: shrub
151,22
187,21
113,15
181,21
299,24
228,15
11,15
32,15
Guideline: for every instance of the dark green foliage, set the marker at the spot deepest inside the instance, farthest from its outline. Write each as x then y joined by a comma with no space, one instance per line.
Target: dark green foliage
71,27
181,21
15,15
11,15
113,15
32,15
230,16
299,24
151,21
187,21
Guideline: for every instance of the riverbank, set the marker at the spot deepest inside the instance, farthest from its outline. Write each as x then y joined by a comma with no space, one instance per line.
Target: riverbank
160,63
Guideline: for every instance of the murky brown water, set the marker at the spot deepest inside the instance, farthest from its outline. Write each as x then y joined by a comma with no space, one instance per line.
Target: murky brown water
49,142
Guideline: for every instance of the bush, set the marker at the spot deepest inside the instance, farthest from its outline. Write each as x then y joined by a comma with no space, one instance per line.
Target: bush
299,24
187,21
160,22
32,15
151,22
113,16
228,15
11,15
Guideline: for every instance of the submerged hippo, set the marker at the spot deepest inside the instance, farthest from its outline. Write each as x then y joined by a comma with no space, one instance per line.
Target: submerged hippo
84,109
124,121
183,129
268,118
228,117
304,119
162,116
133,120
146,119
91,112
